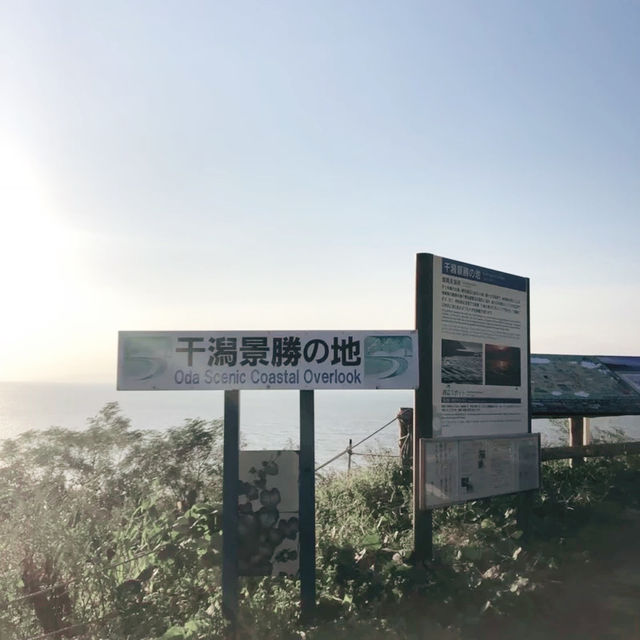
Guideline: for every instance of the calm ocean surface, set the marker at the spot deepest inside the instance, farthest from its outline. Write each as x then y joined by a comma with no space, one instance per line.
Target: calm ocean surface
268,419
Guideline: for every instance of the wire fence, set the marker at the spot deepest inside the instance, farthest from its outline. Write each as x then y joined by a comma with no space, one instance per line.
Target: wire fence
73,628
78,629
349,450
59,585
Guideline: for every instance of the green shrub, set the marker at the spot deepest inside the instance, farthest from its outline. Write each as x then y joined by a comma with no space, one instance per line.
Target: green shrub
124,527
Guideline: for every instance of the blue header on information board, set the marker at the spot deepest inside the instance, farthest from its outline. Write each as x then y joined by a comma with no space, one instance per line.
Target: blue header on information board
482,274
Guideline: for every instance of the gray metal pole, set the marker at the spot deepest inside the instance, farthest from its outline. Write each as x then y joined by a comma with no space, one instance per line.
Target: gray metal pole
307,506
423,411
230,509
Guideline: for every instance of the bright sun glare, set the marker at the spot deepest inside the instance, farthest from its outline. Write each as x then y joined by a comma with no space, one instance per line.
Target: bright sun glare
35,257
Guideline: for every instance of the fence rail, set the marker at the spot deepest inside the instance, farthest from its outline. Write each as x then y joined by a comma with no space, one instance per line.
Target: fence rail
608,449
579,447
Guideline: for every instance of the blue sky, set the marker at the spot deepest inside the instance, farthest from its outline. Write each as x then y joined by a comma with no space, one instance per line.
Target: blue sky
278,165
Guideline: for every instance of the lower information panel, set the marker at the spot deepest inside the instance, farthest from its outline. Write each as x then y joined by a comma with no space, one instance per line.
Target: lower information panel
455,470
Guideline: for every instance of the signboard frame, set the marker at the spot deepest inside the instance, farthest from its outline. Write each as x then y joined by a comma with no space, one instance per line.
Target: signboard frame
368,359
248,360
429,271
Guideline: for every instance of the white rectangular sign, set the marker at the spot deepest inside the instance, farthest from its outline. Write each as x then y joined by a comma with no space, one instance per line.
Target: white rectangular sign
165,360
480,351
462,469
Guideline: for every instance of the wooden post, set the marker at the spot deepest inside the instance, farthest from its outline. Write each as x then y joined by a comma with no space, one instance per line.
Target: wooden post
405,421
577,437
349,450
423,400
307,499
230,510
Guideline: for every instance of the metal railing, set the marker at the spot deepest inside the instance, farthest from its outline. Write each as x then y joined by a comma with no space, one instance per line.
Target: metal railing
349,449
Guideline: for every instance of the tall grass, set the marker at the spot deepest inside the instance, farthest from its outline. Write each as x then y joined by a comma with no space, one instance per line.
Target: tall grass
122,528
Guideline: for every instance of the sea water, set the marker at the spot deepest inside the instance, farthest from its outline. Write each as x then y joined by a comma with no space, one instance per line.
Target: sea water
268,419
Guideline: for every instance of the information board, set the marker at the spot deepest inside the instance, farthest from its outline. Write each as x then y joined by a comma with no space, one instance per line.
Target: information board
462,469
205,360
575,385
480,351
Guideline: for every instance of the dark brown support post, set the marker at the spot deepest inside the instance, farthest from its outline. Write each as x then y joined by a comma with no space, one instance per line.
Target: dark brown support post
423,403
577,437
524,504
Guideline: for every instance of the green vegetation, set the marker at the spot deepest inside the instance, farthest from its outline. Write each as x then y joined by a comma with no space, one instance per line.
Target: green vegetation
121,529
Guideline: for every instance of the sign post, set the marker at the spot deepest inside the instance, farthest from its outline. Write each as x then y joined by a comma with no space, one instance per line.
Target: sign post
423,399
230,508
307,506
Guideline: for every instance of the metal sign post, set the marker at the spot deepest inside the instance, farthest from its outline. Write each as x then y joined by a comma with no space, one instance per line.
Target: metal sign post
230,509
307,506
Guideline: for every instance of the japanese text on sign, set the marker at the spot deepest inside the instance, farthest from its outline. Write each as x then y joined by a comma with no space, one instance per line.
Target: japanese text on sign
268,360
